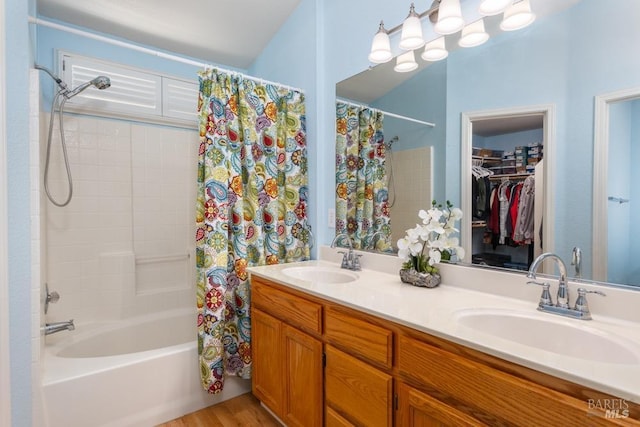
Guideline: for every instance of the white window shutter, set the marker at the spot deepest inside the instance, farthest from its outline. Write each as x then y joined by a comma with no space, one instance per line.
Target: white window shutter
134,93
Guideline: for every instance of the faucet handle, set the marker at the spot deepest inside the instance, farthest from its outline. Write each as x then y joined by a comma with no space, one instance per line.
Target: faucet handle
345,259
581,301
545,298
355,262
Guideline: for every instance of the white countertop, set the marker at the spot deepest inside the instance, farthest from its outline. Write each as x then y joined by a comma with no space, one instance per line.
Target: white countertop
380,292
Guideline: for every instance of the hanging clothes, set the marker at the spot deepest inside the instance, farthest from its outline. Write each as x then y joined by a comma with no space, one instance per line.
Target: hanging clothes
524,230
251,208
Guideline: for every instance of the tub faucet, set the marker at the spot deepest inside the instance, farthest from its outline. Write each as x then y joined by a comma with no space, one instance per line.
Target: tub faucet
563,290
52,328
350,260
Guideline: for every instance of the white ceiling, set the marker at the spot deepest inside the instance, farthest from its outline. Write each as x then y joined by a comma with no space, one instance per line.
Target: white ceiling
225,32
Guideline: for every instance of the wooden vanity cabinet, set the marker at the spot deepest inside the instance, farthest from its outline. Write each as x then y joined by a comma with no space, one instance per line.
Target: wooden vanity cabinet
418,409
287,362
359,356
380,373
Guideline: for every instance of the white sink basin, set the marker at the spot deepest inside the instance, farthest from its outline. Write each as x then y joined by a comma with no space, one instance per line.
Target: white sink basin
556,335
319,274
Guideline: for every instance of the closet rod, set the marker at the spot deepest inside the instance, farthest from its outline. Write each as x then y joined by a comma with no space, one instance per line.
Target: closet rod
152,52
387,113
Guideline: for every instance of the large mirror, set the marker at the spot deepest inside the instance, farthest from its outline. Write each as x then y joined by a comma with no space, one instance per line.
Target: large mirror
557,66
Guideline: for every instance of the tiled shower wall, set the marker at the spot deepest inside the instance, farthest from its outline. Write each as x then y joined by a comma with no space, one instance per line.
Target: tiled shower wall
124,245
412,169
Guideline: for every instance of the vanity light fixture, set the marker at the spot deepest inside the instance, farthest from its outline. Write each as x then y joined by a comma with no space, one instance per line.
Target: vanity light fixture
517,16
381,46
473,34
449,17
405,62
435,50
493,7
411,31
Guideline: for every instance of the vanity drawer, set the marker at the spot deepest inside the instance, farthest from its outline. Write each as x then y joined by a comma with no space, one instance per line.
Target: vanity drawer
492,392
359,392
359,337
291,309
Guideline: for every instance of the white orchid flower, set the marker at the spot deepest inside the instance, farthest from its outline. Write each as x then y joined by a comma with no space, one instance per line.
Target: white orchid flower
434,256
456,214
408,246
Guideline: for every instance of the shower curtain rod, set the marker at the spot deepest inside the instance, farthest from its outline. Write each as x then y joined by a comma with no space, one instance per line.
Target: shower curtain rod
387,113
152,52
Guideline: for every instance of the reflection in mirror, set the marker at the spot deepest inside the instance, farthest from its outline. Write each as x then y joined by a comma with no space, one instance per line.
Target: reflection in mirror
371,173
617,147
505,190
564,59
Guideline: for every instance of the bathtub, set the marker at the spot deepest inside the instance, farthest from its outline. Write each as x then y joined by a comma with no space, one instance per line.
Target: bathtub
137,372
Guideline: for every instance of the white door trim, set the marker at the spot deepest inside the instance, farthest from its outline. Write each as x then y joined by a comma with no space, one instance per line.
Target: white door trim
548,111
600,176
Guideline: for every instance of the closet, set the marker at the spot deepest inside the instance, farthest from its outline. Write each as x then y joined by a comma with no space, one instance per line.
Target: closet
507,160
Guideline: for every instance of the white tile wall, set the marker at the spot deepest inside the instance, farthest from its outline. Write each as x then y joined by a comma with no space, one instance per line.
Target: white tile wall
134,198
413,170
37,243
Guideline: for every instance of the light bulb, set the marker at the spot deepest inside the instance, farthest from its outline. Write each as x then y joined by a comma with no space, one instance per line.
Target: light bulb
493,7
381,46
435,50
517,16
411,37
406,62
449,17
473,34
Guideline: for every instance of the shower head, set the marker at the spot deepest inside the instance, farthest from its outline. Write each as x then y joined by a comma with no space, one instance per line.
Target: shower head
100,82
389,144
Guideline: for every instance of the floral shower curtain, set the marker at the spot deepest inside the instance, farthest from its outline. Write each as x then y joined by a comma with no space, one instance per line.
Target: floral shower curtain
251,208
362,208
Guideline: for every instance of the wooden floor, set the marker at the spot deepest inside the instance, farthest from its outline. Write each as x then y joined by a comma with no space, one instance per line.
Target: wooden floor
244,410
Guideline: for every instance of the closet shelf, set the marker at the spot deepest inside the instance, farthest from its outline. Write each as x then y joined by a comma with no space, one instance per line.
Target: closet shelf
487,158
498,177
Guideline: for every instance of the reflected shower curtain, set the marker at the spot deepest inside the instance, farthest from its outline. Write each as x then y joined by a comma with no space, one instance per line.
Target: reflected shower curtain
361,181
251,208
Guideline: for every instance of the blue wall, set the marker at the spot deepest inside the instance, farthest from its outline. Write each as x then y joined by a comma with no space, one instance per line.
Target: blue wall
18,58
323,43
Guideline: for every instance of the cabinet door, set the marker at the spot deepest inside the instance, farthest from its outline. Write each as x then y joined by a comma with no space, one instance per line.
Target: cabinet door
417,409
360,392
268,381
303,378
335,420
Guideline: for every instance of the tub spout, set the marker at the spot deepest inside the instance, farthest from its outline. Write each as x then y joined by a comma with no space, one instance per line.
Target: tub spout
52,328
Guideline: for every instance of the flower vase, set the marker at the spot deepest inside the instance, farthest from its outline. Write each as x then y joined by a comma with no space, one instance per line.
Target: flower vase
416,278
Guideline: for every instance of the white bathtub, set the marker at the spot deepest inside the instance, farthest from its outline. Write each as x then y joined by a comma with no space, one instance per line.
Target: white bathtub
138,372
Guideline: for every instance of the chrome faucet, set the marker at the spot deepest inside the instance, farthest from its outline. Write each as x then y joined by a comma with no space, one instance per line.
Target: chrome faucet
580,309
52,328
576,261
350,260
563,291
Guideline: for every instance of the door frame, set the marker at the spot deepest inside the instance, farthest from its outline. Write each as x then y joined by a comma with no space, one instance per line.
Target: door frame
548,111
601,178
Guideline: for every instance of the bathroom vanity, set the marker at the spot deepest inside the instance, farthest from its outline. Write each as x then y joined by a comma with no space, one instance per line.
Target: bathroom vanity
329,350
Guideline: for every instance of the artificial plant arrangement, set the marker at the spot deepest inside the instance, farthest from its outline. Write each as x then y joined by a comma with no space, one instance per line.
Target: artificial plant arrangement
429,243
